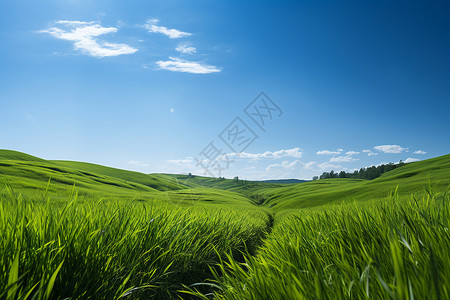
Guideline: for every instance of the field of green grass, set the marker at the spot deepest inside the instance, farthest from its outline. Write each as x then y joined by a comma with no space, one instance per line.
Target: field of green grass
72,230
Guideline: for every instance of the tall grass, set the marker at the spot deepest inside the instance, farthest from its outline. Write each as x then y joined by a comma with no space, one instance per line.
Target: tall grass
113,249
395,249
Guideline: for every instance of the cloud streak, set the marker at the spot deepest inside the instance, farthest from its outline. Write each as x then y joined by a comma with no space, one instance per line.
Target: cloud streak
152,26
284,165
85,38
411,159
419,152
294,152
369,152
390,148
175,64
186,49
343,159
326,166
327,152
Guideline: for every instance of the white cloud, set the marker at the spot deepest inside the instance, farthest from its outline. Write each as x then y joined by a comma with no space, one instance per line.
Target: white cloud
294,152
85,37
65,22
310,165
410,159
181,65
369,152
390,148
172,109
327,166
351,153
171,33
186,48
284,165
343,159
322,167
187,160
138,163
419,152
327,152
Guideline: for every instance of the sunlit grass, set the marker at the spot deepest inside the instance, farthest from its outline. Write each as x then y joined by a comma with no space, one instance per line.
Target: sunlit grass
103,233
397,249
112,249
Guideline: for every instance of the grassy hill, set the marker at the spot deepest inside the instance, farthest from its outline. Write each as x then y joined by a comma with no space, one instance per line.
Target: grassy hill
244,187
412,178
31,176
151,181
15,155
32,173
122,234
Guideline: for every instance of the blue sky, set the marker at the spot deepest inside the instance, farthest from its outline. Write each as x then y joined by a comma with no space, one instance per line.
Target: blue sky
150,86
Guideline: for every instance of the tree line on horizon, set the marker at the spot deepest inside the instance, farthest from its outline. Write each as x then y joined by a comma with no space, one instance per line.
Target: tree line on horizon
363,173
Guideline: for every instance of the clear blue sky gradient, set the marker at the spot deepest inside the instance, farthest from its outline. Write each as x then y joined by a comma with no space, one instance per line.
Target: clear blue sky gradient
348,75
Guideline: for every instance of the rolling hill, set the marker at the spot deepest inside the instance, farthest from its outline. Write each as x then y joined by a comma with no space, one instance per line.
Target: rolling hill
413,178
29,173
104,232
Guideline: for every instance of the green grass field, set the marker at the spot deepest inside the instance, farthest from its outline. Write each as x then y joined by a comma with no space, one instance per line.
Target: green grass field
72,230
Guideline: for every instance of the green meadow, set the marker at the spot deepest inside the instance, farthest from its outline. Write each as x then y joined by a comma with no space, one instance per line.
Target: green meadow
73,230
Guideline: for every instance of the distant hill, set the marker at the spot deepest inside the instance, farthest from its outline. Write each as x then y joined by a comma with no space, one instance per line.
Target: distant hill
284,181
412,178
149,180
30,174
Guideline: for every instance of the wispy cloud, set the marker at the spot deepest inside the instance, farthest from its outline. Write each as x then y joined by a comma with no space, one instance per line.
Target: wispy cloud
284,165
152,26
180,65
419,152
369,152
390,148
410,159
326,166
85,38
327,152
343,159
186,160
351,153
186,48
294,152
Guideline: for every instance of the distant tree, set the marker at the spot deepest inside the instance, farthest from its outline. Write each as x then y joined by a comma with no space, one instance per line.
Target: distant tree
342,174
363,173
190,175
315,177
325,175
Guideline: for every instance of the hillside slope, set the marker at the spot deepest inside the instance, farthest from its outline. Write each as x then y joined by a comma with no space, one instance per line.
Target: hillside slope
30,176
412,178
244,187
29,173
149,180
